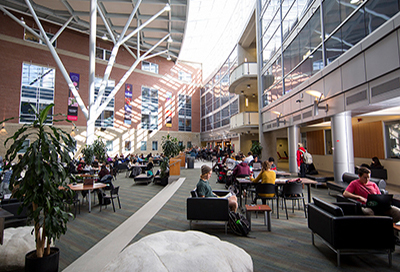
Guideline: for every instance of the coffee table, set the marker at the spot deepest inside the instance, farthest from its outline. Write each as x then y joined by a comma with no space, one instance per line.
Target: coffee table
259,208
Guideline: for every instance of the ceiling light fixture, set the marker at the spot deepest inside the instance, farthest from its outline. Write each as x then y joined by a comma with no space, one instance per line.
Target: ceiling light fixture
248,86
169,57
167,7
170,40
105,38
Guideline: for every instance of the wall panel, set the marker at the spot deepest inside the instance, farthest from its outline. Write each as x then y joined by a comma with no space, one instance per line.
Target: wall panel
315,142
368,140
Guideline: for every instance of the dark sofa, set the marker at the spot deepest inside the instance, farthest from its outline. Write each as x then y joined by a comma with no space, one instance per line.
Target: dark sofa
340,186
348,233
207,208
12,205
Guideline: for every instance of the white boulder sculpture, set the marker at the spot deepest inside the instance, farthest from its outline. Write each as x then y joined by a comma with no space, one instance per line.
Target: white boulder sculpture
181,251
16,243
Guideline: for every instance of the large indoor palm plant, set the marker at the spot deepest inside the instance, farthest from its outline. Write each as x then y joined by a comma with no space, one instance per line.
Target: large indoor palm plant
39,177
170,149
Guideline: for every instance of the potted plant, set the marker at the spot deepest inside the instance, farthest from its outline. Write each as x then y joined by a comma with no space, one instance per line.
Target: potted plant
170,148
99,150
96,149
39,182
88,154
256,149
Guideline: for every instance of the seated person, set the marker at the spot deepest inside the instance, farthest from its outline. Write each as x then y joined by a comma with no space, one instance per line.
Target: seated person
376,164
256,160
103,171
271,161
150,164
249,158
81,166
242,169
95,164
204,188
359,190
5,184
266,176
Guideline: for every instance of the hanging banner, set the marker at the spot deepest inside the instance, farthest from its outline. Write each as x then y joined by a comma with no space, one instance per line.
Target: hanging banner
168,107
72,114
128,104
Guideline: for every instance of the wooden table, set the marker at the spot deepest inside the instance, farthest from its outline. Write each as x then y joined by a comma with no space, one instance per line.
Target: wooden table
259,208
81,187
282,174
3,215
278,181
308,182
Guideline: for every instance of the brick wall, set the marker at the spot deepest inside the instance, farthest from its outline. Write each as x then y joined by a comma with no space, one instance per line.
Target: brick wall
73,48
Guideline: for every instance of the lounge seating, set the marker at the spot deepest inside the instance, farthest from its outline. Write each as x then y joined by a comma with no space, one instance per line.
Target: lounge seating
207,208
144,178
340,186
350,234
12,206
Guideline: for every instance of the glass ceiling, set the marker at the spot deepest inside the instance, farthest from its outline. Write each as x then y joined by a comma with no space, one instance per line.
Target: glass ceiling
213,29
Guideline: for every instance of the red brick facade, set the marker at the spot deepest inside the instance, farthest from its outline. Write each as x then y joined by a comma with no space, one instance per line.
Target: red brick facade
73,48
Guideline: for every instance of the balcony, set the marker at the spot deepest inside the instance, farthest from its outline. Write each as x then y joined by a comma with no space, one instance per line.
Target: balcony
243,80
244,122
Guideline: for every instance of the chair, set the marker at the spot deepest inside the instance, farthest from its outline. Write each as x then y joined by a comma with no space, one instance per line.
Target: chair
346,234
268,188
280,157
103,200
73,201
293,191
113,195
207,208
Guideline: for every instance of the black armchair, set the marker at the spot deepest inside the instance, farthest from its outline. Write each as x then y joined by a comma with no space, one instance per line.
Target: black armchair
350,234
207,208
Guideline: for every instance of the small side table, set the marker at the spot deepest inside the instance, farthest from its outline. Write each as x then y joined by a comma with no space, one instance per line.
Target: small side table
259,208
3,214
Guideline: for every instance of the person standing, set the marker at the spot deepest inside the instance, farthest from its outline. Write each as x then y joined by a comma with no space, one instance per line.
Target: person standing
301,166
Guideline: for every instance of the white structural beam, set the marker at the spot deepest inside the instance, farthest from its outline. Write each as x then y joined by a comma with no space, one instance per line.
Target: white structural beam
114,52
58,60
96,107
61,30
125,77
92,73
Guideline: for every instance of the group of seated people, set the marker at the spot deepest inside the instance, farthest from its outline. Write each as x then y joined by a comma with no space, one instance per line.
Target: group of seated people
358,189
242,169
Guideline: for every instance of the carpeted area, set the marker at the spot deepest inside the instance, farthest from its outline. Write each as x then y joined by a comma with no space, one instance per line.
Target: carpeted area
287,248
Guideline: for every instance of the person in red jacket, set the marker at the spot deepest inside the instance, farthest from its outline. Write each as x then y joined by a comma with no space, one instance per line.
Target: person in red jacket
301,166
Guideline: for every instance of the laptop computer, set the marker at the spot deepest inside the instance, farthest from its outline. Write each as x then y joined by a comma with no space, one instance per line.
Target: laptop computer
379,203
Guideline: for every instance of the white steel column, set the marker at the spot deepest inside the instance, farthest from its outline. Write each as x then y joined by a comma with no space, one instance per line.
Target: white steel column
260,88
293,139
343,154
92,72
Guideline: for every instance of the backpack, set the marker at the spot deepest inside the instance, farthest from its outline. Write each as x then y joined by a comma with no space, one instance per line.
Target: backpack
307,158
238,224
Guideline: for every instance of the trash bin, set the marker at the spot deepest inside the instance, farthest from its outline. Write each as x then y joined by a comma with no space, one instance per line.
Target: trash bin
190,162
